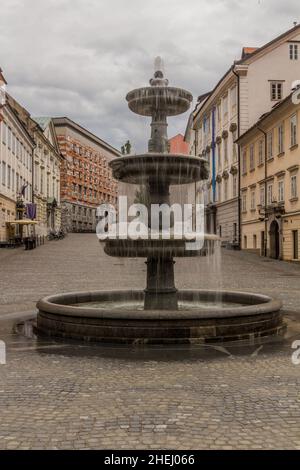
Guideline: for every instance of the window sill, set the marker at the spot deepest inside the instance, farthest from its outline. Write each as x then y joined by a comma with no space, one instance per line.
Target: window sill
252,169
270,159
244,212
260,165
252,210
244,174
293,147
294,199
281,154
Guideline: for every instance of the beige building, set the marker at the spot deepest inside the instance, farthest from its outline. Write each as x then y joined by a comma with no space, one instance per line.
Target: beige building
252,86
270,182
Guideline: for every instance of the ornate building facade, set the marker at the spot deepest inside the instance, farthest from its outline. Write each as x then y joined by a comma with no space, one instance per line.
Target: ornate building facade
251,87
86,179
46,175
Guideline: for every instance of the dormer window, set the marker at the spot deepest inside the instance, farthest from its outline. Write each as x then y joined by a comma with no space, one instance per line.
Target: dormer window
293,51
276,90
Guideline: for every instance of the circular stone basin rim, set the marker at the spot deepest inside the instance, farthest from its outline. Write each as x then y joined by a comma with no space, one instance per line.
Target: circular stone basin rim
256,304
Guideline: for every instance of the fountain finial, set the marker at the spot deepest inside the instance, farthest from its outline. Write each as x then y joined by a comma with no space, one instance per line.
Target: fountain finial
158,77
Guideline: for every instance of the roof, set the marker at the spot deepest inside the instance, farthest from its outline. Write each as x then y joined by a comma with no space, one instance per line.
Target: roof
2,76
20,122
250,55
247,50
43,121
265,46
67,122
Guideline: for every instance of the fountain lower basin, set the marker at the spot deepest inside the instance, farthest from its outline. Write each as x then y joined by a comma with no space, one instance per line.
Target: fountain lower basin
202,317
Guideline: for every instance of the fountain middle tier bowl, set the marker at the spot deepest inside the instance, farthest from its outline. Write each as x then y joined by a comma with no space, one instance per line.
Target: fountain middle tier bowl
202,317
173,169
162,248
170,100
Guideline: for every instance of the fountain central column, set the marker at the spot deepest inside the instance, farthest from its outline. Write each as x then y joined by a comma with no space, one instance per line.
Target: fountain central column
160,293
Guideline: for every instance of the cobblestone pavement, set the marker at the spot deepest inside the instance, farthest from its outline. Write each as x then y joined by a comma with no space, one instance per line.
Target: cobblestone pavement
65,395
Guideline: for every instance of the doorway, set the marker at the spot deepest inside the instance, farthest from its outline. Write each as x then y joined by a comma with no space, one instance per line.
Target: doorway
274,240
295,245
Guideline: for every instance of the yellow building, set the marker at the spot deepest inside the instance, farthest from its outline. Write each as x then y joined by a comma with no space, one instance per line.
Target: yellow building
270,182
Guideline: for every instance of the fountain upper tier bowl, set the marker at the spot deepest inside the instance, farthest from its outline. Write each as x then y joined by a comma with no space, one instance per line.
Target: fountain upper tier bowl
157,248
174,169
170,100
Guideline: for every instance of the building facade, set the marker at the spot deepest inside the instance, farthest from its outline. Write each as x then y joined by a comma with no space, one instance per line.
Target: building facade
270,183
16,157
252,85
86,179
177,144
46,169
46,176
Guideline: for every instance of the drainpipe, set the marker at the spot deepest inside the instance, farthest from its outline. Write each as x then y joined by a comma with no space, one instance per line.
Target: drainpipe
266,175
239,161
213,154
32,176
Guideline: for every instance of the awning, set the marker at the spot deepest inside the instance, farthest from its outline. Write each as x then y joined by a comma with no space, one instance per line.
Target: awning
22,222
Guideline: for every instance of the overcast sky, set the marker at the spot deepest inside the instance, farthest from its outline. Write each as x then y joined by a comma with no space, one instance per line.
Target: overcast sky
79,58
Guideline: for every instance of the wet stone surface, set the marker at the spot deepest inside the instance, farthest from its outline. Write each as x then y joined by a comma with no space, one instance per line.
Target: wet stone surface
66,395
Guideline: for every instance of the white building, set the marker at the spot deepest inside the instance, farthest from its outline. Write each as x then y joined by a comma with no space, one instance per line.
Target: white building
251,87
16,156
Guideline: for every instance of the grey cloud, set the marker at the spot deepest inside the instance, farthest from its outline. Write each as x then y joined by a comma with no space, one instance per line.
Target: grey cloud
80,57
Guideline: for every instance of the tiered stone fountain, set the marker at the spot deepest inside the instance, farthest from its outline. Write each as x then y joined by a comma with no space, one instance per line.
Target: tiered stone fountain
160,313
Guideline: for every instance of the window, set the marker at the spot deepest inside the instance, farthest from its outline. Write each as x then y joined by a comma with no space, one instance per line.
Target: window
233,97
252,201
270,194
225,190
219,195
219,112
234,185
13,143
261,152
280,138
254,241
226,150
9,138
293,51
280,191
8,176
276,91
270,144
17,182
225,107
262,196
234,152
4,130
13,179
244,162
293,186
252,164
293,127
219,155
244,202
4,173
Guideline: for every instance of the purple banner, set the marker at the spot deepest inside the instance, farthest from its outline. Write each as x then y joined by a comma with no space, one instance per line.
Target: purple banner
31,211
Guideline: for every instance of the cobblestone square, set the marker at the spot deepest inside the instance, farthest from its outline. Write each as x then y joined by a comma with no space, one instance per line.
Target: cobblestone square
63,395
